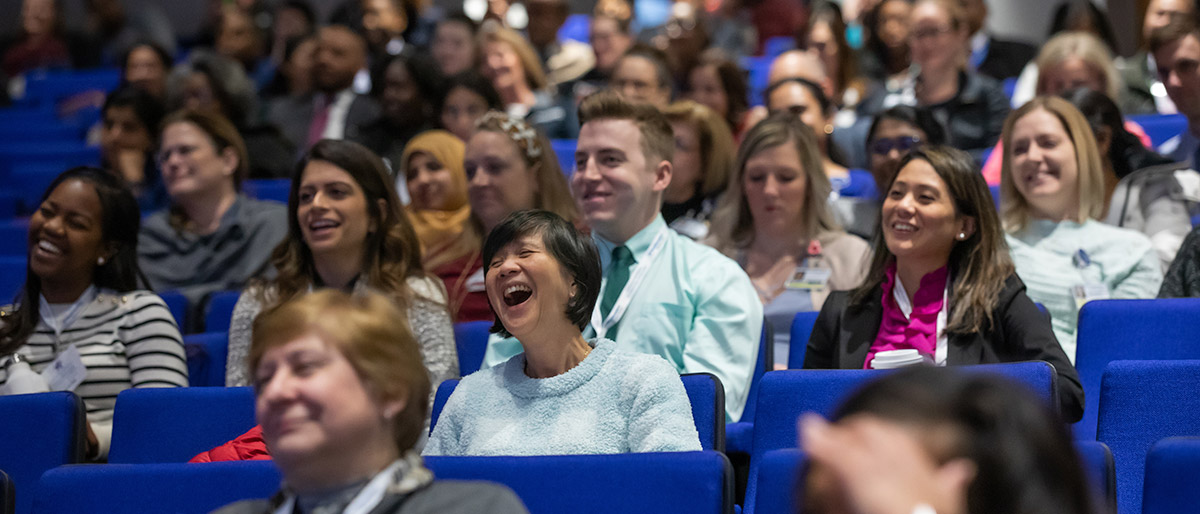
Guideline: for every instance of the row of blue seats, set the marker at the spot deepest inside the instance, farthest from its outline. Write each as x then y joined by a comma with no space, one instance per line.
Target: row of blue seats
1141,402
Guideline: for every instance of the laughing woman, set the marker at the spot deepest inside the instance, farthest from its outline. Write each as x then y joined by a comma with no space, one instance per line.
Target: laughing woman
565,394
81,301
346,231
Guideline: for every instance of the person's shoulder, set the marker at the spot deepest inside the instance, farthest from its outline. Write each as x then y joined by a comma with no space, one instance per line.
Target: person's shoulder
157,222
702,256
263,208
1116,240
245,507
844,243
463,496
427,288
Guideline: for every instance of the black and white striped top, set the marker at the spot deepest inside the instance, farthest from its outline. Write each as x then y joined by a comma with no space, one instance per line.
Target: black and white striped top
125,340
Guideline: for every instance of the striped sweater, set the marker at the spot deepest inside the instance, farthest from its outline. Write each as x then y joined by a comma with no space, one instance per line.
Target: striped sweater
125,340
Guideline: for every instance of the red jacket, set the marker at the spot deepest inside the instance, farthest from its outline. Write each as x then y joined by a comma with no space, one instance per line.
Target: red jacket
248,446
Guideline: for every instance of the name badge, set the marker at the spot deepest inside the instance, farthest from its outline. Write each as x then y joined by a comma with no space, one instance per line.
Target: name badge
1087,292
810,278
66,372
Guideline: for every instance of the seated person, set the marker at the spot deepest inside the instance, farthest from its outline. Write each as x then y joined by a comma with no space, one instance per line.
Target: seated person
941,282
777,224
211,238
896,131
340,394
564,394
347,231
81,301
703,157
1052,191
128,121
691,305
931,440
1183,277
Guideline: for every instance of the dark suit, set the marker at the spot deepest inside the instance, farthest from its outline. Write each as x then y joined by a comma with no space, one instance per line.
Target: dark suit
293,115
844,333
1005,59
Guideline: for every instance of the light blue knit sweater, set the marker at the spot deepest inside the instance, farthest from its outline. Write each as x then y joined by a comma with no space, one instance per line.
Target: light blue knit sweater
612,402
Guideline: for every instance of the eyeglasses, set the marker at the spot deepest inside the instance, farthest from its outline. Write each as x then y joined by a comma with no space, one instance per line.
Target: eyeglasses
902,143
928,33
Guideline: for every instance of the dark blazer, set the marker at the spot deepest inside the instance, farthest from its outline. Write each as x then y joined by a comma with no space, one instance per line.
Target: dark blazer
844,333
440,497
293,115
1006,59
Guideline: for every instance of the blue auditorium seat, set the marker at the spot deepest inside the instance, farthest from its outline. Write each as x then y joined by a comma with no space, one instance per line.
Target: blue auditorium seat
802,327
779,472
48,87
39,432
738,435
1171,470
219,310
757,70
206,358
178,305
577,27
12,277
658,483
158,425
564,149
471,339
139,488
778,45
1097,461
8,494
1160,127
704,390
276,189
1112,330
1142,402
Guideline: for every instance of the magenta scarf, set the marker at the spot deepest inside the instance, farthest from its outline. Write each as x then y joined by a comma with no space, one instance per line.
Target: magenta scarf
918,332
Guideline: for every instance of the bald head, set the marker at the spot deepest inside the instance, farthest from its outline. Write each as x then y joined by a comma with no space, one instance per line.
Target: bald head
800,64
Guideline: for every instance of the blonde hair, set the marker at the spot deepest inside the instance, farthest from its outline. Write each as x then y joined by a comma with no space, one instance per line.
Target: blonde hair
733,225
535,76
371,332
1015,210
1085,47
716,143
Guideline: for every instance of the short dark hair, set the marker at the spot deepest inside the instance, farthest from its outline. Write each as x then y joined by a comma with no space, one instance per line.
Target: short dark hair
918,117
1016,441
474,82
733,81
658,138
656,57
812,87
149,110
1178,28
574,251
163,55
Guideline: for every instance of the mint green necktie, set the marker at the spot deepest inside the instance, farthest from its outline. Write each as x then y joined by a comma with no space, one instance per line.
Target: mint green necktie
618,275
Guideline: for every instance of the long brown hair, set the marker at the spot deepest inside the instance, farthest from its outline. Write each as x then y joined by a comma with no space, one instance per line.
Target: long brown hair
979,265
392,254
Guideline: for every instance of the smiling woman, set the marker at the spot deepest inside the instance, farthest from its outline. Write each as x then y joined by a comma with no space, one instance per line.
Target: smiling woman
81,301
347,231
941,286
564,394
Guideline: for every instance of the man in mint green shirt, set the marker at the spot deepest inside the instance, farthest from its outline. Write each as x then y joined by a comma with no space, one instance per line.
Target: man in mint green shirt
662,293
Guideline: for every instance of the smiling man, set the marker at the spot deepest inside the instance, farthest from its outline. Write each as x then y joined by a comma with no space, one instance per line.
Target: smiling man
662,293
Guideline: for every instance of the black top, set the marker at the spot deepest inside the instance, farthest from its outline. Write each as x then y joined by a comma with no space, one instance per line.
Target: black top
843,335
1183,278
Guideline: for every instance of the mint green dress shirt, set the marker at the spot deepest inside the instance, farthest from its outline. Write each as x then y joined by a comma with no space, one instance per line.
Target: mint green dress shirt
696,309
1044,252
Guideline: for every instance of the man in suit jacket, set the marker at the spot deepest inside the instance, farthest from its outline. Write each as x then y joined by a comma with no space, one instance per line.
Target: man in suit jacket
333,110
996,58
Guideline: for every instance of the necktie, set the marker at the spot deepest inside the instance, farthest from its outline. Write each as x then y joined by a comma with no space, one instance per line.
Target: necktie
320,119
618,275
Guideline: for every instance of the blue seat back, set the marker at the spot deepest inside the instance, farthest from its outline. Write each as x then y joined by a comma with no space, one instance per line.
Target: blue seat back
1097,462
1112,330
661,483
14,238
779,472
219,310
704,390
206,356
564,150
1038,376
175,424
178,305
471,340
1171,470
765,363
138,488
802,327
1142,402
12,277
1161,127
577,27
275,189
39,432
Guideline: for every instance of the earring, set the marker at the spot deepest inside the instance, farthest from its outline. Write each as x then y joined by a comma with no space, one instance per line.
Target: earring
100,261
828,128
962,236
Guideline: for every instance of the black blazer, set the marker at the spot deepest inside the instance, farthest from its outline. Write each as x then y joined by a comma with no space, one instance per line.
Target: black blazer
844,333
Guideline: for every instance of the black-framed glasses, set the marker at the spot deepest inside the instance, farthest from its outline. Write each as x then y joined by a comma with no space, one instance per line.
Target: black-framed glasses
902,143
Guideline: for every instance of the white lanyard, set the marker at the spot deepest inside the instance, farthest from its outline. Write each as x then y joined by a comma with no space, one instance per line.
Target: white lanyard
72,314
365,500
635,281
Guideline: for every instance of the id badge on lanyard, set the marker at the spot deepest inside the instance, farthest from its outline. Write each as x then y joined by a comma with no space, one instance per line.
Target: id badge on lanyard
635,281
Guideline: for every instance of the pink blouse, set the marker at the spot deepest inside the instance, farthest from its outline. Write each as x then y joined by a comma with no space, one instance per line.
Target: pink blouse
917,331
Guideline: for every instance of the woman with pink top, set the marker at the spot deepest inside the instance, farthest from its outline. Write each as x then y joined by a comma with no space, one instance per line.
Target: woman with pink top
941,288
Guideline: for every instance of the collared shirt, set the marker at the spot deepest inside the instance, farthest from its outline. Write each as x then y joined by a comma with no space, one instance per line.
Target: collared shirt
696,308
335,127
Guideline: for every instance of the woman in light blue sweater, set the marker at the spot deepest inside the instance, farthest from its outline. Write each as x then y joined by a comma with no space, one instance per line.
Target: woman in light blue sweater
1052,194
564,394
